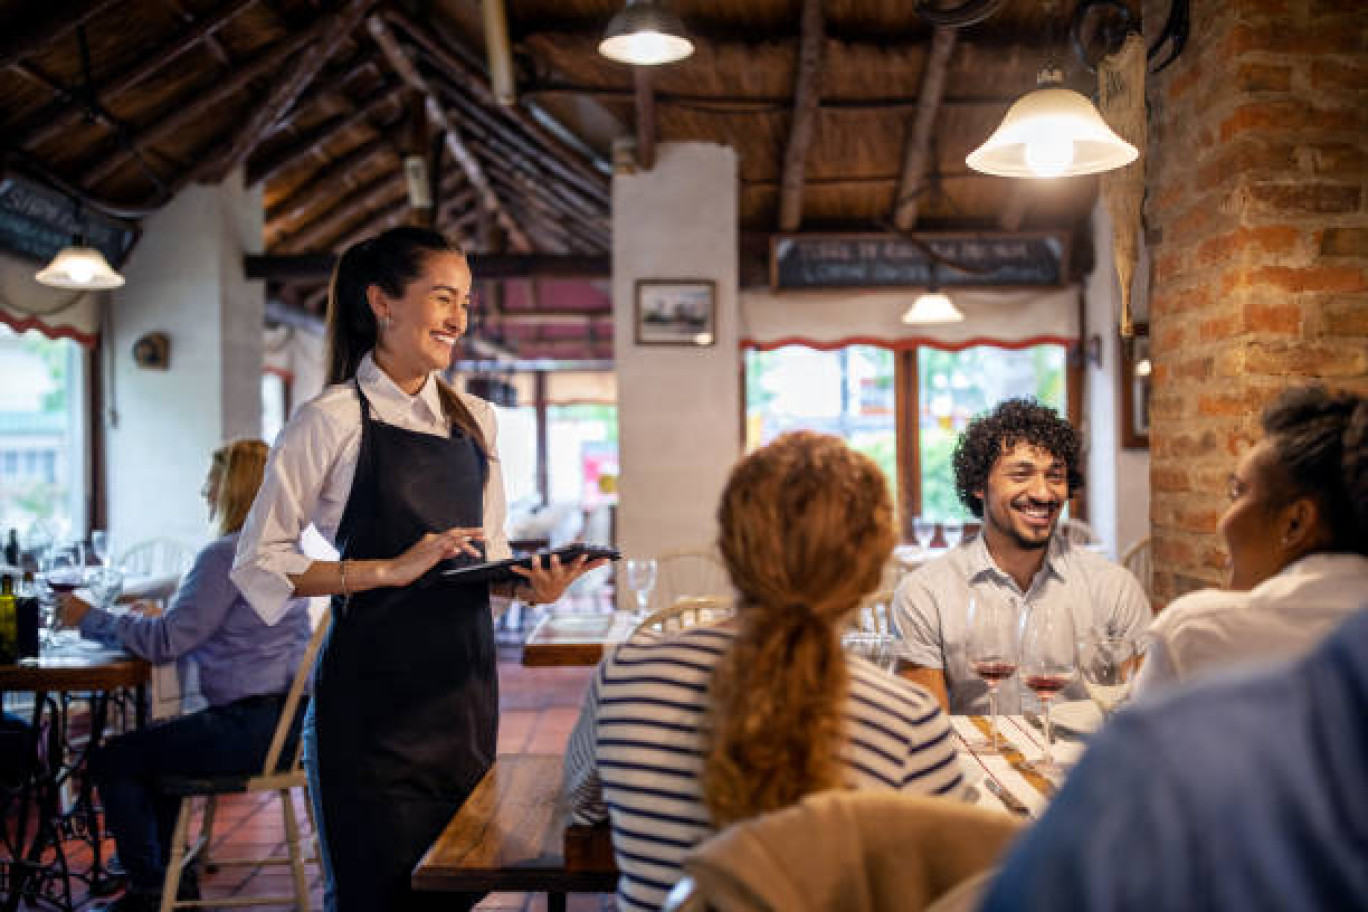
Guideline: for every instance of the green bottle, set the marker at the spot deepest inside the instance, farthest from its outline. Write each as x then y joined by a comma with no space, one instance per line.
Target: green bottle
9,622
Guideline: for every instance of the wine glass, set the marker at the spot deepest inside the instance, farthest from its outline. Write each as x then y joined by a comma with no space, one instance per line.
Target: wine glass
99,543
924,530
992,652
1048,663
879,649
952,530
106,585
641,579
1107,665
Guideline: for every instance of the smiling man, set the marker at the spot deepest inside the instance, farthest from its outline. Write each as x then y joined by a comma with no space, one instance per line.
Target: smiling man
1015,468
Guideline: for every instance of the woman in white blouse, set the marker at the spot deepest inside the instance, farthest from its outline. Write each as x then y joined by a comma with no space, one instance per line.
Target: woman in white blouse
400,472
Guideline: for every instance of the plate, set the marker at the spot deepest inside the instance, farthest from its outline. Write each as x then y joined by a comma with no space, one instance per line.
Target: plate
1081,716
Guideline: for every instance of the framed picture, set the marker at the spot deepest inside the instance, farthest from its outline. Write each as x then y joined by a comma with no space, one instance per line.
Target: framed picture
675,312
1135,389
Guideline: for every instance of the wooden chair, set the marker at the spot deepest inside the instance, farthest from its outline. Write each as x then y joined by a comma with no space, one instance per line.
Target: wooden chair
689,572
272,778
689,611
1138,561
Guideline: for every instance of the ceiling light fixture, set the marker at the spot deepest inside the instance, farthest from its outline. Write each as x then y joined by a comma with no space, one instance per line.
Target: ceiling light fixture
645,33
79,267
933,307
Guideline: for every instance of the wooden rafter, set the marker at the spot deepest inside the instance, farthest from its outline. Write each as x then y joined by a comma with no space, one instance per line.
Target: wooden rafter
311,142
338,176
316,267
437,115
806,96
751,104
645,118
917,154
323,38
60,116
332,220
58,20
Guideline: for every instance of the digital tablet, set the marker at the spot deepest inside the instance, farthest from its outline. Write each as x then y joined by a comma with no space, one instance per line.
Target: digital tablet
501,571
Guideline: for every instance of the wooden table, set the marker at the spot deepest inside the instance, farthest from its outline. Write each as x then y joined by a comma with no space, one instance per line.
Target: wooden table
511,837
575,638
75,667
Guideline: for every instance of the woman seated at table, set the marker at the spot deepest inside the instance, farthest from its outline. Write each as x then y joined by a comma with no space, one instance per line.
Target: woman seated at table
1296,532
245,669
682,735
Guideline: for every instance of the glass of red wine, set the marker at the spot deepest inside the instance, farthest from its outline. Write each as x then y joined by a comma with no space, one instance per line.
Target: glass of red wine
992,653
1049,661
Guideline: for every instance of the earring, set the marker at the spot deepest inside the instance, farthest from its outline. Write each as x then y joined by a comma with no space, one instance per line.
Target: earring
385,322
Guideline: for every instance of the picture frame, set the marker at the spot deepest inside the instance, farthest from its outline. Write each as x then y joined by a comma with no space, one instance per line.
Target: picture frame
676,312
1134,387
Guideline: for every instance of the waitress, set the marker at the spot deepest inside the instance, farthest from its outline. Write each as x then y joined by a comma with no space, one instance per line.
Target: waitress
400,472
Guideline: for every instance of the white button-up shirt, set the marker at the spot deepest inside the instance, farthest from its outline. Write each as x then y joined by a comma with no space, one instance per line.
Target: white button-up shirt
1281,618
309,479
931,609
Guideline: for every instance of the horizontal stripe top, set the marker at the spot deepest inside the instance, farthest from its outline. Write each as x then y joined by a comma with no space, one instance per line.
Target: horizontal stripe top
636,754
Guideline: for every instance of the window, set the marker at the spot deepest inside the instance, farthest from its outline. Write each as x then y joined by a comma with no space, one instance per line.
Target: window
275,404
849,392
582,445
43,476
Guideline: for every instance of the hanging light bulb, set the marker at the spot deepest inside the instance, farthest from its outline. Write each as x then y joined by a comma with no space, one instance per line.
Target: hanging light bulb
932,307
79,267
645,33
1051,132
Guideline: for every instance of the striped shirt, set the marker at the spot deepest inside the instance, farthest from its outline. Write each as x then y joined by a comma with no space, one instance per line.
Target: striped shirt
636,754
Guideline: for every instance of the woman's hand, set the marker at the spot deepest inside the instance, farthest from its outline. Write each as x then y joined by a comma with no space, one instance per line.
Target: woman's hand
548,583
428,551
71,610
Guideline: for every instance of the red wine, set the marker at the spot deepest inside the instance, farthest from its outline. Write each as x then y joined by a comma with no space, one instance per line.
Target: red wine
1047,685
994,672
63,585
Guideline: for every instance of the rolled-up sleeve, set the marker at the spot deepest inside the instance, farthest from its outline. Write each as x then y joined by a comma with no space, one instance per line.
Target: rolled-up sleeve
268,551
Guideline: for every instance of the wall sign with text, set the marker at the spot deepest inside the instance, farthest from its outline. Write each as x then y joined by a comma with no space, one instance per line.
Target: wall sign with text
1017,260
37,221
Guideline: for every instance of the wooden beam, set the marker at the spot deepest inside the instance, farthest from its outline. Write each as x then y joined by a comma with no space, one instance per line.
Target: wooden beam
323,38
918,150
57,20
750,104
806,95
302,267
645,118
311,142
407,72
58,118
381,190
330,180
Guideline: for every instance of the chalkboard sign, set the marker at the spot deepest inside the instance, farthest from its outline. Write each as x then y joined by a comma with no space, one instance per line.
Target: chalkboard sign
37,221
799,261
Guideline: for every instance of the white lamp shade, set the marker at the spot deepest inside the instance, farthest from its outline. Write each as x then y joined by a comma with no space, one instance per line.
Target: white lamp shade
79,268
933,307
1052,132
645,34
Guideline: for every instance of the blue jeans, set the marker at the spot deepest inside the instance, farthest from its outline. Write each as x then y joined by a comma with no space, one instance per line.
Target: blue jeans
220,741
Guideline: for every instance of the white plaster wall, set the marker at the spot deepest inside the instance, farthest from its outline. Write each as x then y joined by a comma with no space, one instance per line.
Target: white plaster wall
678,408
1118,480
184,279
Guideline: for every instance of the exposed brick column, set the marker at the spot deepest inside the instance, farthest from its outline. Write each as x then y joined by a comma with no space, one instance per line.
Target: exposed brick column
1257,211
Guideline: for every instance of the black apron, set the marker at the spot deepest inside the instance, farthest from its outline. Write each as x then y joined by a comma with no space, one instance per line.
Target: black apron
406,705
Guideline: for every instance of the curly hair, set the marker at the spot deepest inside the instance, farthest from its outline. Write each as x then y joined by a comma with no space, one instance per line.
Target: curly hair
993,433
806,527
1319,443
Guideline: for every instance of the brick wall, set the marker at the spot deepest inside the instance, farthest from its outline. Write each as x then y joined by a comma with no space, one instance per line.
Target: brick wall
1257,215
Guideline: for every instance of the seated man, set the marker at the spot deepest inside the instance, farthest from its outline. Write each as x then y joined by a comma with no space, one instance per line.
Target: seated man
1242,792
1296,545
1015,468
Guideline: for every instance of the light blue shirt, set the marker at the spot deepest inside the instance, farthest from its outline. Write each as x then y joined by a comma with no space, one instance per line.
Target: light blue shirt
931,611
238,654
1244,792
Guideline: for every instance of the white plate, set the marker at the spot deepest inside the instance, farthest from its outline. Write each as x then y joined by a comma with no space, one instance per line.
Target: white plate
1081,716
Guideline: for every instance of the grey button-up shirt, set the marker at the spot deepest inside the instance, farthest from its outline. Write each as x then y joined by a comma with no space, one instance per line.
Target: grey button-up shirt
931,609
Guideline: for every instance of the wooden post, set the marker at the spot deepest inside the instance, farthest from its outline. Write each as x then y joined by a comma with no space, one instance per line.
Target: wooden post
806,97
918,150
645,118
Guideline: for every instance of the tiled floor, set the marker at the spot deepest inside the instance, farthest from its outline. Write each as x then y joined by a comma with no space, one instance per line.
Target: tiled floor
539,707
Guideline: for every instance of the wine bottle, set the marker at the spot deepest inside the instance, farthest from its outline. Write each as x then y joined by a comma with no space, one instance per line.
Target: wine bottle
27,610
9,631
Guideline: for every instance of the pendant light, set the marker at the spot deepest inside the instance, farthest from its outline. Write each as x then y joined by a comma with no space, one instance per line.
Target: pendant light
79,267
645,33
933,307
1051,132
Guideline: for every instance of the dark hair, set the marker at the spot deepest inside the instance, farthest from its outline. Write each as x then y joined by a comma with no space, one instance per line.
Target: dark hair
389,261
993,433
1318,442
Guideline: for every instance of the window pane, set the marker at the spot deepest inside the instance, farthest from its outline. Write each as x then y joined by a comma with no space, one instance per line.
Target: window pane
583,442
954,386
273,392
517,445
42,436
848,392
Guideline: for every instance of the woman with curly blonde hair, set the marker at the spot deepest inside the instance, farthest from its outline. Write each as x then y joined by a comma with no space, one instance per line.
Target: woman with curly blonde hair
683,735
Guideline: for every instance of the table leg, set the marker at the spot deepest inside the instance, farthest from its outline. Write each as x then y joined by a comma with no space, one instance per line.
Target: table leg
555,902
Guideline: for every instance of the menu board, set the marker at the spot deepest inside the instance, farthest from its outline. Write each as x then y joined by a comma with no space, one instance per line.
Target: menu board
37,221
1020,259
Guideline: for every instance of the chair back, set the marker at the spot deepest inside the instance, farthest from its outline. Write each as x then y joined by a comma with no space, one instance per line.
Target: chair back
1076,532
158,557
697,571
689,611
1138,561
291,707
